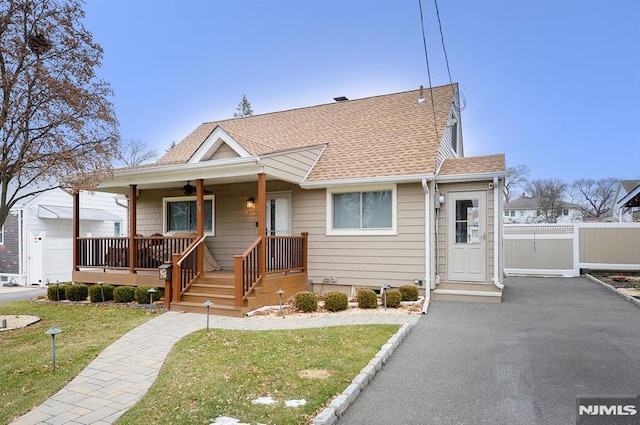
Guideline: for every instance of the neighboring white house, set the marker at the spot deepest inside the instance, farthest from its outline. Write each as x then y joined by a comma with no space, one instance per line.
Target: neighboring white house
622,211
526,209
36,240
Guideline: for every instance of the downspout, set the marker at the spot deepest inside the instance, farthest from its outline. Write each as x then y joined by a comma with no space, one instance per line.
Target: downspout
496,235
427,247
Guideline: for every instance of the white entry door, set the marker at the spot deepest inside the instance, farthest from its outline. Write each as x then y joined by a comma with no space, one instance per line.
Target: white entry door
278,214
35,273
467,236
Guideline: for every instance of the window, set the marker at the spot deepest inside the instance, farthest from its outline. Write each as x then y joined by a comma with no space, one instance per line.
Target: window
467,221
565,211
2,235
368,211
180,214
509,213
117,228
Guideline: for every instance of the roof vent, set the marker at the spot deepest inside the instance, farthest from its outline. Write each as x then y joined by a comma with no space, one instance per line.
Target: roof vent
340,99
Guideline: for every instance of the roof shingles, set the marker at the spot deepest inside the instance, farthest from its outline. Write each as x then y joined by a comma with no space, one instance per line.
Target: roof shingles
381,136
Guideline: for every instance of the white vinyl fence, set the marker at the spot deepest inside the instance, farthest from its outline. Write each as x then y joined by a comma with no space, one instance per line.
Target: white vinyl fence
565,249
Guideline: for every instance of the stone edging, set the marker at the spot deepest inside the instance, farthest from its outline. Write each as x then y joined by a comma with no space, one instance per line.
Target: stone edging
614,290
339,405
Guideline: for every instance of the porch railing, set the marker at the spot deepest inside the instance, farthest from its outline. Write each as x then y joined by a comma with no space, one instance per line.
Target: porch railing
113,252
284,254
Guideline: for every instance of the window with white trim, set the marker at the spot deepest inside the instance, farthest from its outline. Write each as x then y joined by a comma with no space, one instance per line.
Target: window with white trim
180,214
370,210
2,235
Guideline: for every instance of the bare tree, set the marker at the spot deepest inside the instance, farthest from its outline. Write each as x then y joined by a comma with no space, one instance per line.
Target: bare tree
516,178
595,196
550,194
56,119
134,152
243,109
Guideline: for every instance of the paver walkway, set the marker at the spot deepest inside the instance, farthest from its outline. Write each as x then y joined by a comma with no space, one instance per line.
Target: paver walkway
125,370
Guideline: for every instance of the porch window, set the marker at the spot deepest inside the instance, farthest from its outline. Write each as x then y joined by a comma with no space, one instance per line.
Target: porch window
361,212
180,214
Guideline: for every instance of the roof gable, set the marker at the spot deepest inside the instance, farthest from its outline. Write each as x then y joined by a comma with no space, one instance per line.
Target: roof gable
218,145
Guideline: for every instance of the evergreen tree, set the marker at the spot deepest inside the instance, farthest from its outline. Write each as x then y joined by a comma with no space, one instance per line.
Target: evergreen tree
243,109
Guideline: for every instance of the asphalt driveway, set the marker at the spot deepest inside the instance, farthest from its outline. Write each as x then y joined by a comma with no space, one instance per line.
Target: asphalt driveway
524,361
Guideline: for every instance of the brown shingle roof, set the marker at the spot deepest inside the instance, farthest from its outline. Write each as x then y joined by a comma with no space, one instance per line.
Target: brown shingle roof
473,165
389,135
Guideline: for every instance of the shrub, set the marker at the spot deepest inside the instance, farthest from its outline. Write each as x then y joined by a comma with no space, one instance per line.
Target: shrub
367,299
95,293
306,301
142,295
394,297
336,301
124,294
409,292
76,292
56,292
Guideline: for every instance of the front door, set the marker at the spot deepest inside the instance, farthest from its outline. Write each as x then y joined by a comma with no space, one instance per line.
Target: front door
467,236
278,214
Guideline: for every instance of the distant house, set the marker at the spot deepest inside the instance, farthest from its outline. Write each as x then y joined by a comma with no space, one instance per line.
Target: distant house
36,239
627,205
527,209
339,196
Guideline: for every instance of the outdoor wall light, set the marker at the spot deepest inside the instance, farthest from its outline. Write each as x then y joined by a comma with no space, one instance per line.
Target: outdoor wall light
53,331
251,203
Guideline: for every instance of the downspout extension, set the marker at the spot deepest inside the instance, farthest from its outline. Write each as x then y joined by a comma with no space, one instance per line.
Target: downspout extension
496,235
427,246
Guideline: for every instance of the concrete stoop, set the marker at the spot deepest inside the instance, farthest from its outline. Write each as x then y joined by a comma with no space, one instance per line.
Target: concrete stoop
467,292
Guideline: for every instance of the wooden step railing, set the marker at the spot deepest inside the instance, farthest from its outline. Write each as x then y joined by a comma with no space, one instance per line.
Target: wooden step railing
281,254
186,268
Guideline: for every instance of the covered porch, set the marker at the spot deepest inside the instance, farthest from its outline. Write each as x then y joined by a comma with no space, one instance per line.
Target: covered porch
254,265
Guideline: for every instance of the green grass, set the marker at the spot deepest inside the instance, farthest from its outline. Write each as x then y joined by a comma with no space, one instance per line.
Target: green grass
220,373
26,378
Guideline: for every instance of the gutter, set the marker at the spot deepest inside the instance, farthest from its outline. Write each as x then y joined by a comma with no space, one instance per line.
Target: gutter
496,235
412,178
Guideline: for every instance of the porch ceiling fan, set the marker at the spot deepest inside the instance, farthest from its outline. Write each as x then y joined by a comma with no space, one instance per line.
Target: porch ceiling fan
189,189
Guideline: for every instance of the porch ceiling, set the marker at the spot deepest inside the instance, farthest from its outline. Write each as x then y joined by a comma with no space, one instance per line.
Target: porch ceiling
175,177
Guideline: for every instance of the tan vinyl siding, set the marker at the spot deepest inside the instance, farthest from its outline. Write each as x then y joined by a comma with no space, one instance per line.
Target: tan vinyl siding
224,152
364,260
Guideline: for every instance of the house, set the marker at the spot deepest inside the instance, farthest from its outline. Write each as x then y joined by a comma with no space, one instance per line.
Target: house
338,196
626,206
36,239
528,209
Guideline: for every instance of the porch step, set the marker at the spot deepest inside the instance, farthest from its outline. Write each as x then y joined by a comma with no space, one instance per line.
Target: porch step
217,309
467,292
200,287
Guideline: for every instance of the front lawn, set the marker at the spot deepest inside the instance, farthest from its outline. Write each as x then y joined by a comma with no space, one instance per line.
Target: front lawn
26,378
222,372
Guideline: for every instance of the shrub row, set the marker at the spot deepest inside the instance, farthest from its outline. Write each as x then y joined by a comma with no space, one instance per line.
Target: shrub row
95,293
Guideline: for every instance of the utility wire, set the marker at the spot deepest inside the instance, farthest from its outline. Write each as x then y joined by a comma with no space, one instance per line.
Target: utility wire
444,49
426,56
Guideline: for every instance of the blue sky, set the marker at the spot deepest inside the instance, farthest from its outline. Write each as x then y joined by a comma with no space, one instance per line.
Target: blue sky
553,84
